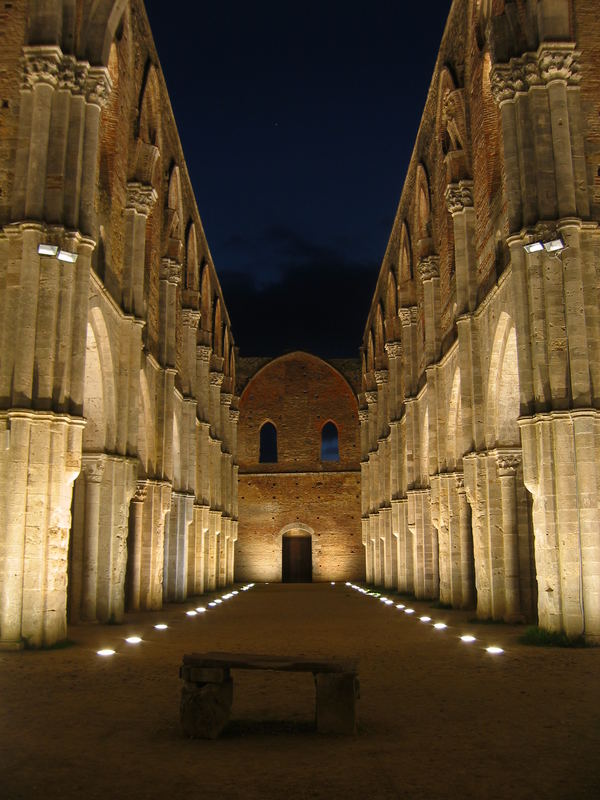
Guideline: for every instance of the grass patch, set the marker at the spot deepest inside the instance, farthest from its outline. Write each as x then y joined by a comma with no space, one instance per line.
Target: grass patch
540,637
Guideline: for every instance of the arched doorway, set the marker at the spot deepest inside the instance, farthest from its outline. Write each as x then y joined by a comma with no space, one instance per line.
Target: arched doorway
296,554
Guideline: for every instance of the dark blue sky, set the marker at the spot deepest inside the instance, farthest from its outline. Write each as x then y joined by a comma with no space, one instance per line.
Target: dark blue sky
297,122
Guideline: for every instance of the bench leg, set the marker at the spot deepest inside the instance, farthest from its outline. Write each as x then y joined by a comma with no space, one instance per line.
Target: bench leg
205,709
336,702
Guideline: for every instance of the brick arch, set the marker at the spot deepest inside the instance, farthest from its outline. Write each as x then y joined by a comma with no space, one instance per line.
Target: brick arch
295,526
391,296
453,133
99,404
423,218
502,408
217,328
100,21
454,450
380,355
192,264
206,320
173,221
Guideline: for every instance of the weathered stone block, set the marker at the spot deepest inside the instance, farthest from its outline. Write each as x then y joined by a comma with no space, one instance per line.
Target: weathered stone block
205,710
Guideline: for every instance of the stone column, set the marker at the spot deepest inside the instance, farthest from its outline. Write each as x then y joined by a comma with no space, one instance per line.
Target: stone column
395,388
467,567
94,470
98,88
170,278
136,532
507,468
459,201
141,199
190,319
429,272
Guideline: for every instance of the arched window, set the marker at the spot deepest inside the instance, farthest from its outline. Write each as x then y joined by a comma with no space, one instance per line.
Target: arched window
330,450
268,444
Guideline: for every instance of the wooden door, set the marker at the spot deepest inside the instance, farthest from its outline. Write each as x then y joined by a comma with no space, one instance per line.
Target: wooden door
296,559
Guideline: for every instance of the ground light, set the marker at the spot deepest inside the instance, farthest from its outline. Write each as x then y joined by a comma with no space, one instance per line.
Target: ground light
201,610
191,613
468,638
212,605
161,626
425,619
439,626
494,650
133,639
409,611
106,652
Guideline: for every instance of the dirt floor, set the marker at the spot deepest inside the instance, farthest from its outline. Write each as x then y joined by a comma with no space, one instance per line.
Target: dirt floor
438,718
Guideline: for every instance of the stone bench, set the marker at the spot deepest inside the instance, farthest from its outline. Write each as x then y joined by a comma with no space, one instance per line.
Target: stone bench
207,691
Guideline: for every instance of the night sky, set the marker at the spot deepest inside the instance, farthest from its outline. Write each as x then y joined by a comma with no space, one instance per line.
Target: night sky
297,122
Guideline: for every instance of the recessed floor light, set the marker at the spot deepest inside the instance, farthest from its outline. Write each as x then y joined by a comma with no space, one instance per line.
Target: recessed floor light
400,606
425,619
201,610
106,652
161,626
440,626
191,613
133,639
467,638
409,611
494,650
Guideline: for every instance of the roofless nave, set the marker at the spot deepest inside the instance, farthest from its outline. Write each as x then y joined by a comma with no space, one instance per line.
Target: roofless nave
120,389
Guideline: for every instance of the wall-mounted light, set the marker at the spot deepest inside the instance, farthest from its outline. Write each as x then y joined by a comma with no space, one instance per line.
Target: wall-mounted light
53,251
554,245
47,250
551,246
65,255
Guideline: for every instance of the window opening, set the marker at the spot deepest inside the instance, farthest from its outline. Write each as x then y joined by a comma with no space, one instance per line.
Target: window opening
329,443
268,444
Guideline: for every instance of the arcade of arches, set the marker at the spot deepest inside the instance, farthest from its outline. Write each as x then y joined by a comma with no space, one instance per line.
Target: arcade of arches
463,446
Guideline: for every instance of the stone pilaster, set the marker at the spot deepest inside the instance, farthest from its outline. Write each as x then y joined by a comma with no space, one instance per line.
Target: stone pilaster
459,201
429,273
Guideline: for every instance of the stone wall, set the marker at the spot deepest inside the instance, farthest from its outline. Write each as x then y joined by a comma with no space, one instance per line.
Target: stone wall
298,394
117,378
479,405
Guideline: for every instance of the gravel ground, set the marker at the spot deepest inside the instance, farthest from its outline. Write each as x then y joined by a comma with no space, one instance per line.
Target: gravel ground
437,718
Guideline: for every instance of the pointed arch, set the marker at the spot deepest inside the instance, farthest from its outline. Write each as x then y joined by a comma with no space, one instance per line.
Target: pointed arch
454,432
379,337
405,271
206,319
422,207
191,259
173,222
268,443
101,18
502,402
391,297
217,329
330,449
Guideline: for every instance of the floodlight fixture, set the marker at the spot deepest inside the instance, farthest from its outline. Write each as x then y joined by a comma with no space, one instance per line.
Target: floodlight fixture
47,250
533,247
554,245
67,256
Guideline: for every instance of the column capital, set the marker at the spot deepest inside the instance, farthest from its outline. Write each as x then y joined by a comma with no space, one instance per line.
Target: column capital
234,415
203,353
553,61
381,377
407,315
93,467
393,349
371,397
459,196
141,197
226,398
429,268
508,463
73,75
98,86
216,378
41,64
190,318
141,492
170,271
363,415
